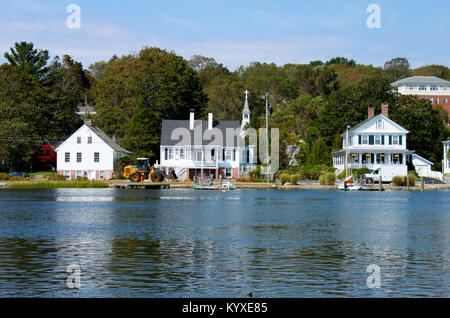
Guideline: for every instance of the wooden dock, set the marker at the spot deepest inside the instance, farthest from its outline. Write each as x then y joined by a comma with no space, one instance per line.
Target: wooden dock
142,186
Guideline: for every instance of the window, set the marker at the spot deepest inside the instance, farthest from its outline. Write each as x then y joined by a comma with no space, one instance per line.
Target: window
411,88
228,172
177,153
431,100
437,100
47,153
170,153
377,140
445,88
89,140
78,156
182,154
102,174
433,88
78,140
67,174
395,140
96,157
227,154
380,124
78,173
380,158
445,100
67,157
422,88
364,140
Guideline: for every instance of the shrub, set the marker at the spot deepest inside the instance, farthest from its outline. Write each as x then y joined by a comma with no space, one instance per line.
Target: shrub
57,177
4,176
80,179
327,178
17,178
412,179
359,172
414,172
341,175
398,181
294,178
284,178
256,173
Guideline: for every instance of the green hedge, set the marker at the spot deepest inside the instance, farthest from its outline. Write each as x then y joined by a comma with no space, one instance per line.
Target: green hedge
400,181
4,176
295,178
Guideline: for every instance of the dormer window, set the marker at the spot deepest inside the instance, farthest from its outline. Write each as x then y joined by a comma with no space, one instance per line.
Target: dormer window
78,140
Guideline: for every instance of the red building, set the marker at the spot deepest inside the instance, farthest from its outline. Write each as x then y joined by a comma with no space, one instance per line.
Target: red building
432,88
45,158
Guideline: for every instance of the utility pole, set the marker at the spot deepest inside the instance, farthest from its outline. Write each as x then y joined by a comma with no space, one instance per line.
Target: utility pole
267,137
346,152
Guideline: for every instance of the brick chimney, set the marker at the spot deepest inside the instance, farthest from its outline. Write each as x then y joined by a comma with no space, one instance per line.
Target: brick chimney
371,112
88,122
385,109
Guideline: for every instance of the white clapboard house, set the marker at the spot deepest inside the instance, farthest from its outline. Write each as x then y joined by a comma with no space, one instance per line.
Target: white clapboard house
89,153
379,142
205,148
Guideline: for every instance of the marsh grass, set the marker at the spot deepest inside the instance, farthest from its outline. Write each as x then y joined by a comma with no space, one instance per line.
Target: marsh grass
58,184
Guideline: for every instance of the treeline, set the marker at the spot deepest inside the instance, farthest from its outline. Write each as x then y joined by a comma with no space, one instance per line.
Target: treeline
313,103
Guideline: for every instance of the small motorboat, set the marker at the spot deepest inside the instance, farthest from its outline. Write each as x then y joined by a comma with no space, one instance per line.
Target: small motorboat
348,185
227,186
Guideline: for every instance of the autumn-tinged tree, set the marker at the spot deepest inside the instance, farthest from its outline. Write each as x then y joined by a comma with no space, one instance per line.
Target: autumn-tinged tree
138,91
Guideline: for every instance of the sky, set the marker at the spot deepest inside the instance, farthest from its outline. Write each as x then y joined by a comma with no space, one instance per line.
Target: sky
234,32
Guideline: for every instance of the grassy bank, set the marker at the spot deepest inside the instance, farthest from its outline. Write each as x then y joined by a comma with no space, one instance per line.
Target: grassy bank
57,184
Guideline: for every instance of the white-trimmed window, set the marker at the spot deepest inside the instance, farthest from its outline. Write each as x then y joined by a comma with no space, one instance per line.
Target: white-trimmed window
228,155
380,124
182,154
78,140
177,153
437,100
422,88
67,174
96,157
102,174
78,174
395,140
411,88
67,157
89,140
433,88
170,153
377,140
79,157
228,172
364,140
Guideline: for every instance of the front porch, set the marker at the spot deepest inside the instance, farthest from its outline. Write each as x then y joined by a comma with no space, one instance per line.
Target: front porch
369,159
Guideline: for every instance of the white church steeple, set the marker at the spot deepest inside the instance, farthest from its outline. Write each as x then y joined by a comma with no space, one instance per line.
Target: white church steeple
245,112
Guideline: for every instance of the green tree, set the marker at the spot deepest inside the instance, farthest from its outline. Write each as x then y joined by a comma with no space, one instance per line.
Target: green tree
319,153
32,60
397,68
138,91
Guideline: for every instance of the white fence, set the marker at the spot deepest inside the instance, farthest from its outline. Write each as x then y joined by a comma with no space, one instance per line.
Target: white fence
430,174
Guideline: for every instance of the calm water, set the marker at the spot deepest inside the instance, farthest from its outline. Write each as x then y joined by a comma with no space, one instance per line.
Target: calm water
181,243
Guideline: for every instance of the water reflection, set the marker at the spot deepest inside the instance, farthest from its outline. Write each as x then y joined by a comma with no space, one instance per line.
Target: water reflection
196,244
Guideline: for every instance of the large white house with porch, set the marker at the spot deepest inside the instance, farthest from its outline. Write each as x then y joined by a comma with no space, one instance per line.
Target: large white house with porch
377,141
211,148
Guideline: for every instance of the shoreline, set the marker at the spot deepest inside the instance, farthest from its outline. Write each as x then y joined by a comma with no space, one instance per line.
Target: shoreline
188,185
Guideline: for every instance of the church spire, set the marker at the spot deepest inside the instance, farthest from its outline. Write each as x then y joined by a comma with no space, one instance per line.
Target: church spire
245,112
246,108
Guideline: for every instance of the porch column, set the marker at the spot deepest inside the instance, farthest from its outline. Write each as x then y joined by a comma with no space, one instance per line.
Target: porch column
203,159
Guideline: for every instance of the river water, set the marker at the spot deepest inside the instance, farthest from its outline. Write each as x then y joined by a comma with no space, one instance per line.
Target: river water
184,243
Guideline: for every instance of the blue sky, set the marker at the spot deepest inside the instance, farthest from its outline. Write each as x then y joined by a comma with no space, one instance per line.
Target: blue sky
235,32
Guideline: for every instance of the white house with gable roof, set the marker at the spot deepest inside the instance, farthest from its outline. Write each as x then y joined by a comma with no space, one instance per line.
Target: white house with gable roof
89,153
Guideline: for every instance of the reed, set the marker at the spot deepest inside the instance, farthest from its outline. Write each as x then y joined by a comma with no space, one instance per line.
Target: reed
58,184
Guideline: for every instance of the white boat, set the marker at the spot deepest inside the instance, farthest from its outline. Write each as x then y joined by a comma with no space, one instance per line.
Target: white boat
348,185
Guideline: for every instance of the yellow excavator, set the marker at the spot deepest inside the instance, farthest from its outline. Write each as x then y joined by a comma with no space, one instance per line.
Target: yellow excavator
142,170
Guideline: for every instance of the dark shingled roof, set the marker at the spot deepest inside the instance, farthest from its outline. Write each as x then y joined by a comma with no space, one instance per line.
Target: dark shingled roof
181,127
106,139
